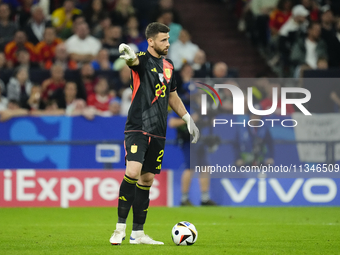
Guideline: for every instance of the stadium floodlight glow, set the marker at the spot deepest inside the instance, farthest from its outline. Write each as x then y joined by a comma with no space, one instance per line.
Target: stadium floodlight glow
239,101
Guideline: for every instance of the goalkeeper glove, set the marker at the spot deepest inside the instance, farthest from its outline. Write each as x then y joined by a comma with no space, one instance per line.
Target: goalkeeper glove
193,130
128,55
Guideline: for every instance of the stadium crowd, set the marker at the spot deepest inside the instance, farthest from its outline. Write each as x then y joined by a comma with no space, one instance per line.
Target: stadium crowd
293,35
61,57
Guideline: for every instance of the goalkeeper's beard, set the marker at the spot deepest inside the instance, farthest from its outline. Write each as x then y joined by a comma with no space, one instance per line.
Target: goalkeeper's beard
160,52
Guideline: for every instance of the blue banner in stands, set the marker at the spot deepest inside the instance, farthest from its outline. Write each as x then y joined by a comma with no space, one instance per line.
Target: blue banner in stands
94,144
99,144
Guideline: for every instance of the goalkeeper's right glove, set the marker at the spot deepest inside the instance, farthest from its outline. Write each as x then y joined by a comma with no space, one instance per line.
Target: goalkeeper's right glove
129,54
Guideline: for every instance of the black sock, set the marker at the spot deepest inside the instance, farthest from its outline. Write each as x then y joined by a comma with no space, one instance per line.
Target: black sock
126,197
136,227
140,206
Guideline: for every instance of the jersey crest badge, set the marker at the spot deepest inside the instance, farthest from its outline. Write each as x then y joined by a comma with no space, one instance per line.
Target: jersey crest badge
167,72
161,77
134,148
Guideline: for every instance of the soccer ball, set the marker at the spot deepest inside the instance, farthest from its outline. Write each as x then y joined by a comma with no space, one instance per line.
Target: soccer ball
184,233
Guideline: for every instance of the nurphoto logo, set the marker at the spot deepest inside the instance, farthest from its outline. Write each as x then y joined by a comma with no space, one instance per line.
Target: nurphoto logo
239,104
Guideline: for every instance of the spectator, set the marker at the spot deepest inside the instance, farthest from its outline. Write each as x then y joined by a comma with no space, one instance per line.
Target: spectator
296,23
19,42
267,102
2,61
244,15
13,110
24,14
124,80
13,105
100,100
126,101
68,32
3,100
166,5
260,88
112,39
62,17
227,98
279,16
294,28
309,50
261,10
46,6
94,11
45,50
2,86
183,142
56,81
61,58
67,99
115,107
335,99
102,62
186,74
34,102
200,65
19,86
254,146
82,47
338,29
88,79
51,109
322,64
183,50
166,18
23,57
123,11
313,8
220,70
7,27
76,20
327,18
132,33
36,27
104,23
328,34
51,106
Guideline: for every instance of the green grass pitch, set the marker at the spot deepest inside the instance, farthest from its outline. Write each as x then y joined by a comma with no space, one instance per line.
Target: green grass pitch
221,230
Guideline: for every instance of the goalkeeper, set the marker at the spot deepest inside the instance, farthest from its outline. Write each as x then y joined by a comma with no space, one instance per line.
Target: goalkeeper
153,89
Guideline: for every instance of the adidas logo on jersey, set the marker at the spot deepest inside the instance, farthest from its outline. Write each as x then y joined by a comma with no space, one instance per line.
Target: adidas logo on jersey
159,167
122,198
154,70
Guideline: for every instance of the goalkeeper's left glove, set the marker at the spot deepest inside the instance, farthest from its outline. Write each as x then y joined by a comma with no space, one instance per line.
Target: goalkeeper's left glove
129,54
193,130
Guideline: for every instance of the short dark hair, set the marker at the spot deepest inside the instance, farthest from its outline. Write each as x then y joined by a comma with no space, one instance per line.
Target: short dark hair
154,28
21,49
312,24
281,4
76,16
13,101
